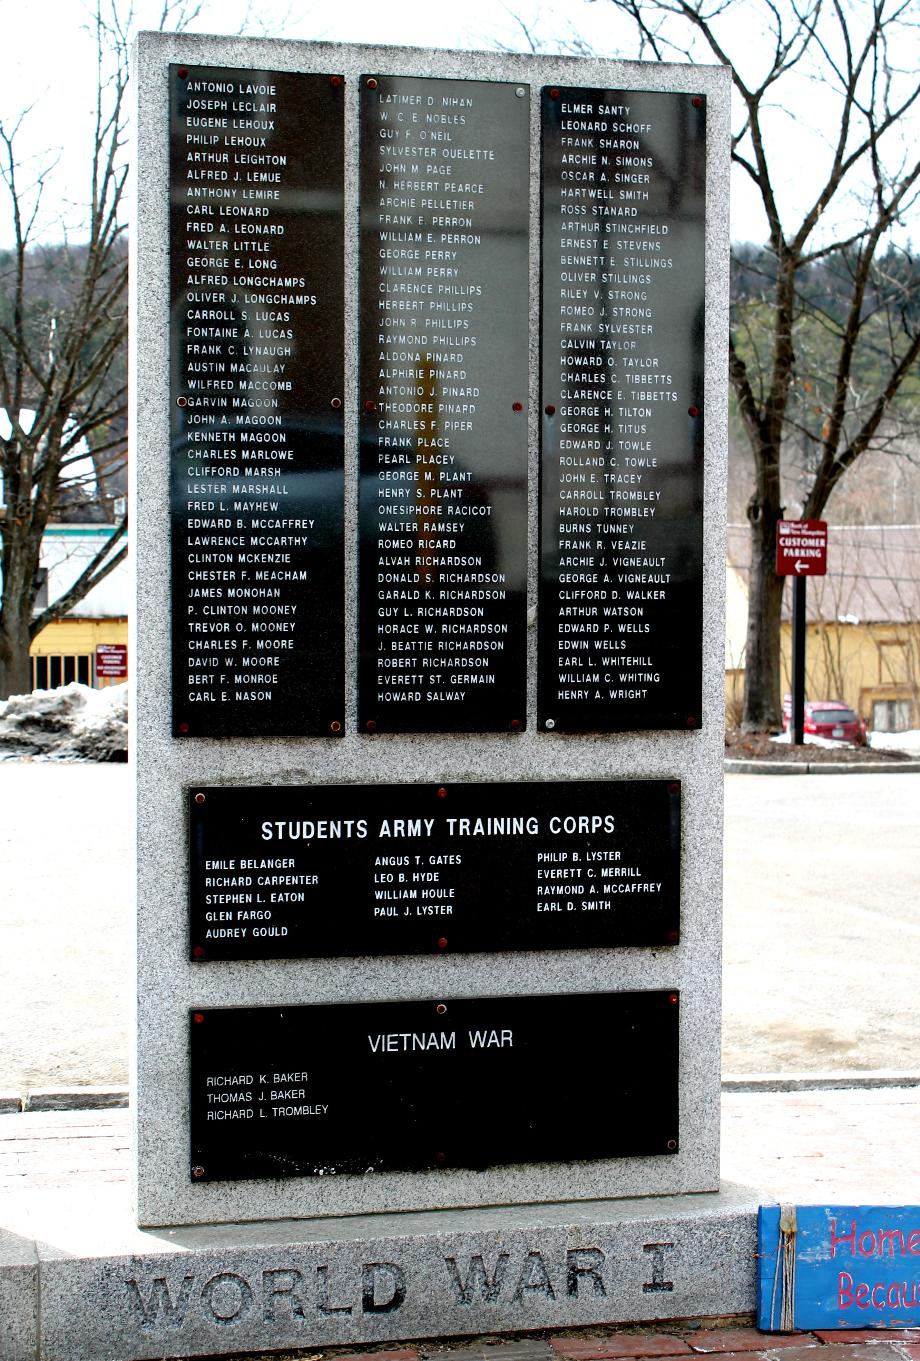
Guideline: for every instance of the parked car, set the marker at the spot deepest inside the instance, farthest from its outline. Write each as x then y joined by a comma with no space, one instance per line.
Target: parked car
828,718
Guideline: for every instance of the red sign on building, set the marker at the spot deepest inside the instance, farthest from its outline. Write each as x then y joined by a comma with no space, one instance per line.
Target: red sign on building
112,661
801,548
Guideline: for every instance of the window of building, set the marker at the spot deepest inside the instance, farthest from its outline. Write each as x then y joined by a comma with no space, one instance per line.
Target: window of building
41,589
893,663
891,715
50,672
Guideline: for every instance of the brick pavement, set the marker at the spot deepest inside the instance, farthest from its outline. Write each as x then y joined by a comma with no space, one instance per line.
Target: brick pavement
717,1340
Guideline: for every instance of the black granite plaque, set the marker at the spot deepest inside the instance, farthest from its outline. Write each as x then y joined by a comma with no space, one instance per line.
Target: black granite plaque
291,871
413,1086
256,361
443,389
621,497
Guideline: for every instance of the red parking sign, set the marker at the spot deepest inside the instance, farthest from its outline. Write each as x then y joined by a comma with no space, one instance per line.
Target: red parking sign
801,548
112,660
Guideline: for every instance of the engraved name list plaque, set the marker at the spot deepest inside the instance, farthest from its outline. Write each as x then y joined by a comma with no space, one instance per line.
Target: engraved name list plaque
623,234
257,345
444,380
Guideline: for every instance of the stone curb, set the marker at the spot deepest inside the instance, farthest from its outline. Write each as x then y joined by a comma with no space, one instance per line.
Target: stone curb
736,767
74,1098
818,1082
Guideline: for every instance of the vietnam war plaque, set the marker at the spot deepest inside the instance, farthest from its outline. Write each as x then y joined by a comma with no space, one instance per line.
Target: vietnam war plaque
290,871
412,1086
623,237
443,390
257,354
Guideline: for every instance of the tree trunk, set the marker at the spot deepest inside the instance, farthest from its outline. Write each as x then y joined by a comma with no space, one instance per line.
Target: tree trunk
762,701
15,664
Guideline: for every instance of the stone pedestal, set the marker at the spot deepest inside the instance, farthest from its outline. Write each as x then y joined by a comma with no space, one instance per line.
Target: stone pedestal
82,1281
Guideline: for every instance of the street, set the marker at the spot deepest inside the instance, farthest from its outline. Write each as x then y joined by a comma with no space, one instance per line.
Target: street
822,923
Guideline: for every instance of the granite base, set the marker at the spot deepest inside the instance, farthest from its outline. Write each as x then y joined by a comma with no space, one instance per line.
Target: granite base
83,1281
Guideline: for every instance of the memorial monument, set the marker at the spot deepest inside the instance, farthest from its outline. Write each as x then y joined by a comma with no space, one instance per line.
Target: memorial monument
429,453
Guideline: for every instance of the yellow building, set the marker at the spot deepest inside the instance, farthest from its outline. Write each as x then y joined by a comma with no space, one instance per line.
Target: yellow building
86,645
863,629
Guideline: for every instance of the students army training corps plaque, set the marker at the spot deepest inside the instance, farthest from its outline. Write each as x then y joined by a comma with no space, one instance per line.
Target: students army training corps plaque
289,871
443,392
408,1086
257,344
623,234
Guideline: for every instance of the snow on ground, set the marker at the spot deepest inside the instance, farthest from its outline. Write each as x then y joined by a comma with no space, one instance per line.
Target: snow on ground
812,739
71,723
880,741
896,741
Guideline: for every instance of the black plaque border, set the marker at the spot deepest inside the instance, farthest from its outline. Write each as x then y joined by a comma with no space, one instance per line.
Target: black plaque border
494,916
440,1112
502,708
314,686
595,718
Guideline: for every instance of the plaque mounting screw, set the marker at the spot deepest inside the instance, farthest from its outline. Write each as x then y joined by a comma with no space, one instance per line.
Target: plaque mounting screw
335,726
198,1017
673,937
441,1009
693,411
672,1145
197,1171
335,81
181,401
674,787
183,73
440,1158
199,798
692,722
554,93
520,92
550,723
442,942
515,724
550,410
370,406
336,403
371,725
697,102
198,952
184,728
517,406
372,83
673,998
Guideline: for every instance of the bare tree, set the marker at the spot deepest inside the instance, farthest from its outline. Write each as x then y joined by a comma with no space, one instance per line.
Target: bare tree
823,362
63,345
64,362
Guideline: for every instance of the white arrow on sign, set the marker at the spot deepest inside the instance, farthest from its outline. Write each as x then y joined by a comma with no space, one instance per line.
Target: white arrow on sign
800,566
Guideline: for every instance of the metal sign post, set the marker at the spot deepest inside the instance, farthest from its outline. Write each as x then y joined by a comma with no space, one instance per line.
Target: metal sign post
801,551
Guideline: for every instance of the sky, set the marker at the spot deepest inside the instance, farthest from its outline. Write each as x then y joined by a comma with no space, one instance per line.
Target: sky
49,68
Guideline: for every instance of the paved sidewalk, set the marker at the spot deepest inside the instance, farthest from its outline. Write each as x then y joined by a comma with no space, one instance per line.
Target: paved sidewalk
822,899
60,1169
855,1146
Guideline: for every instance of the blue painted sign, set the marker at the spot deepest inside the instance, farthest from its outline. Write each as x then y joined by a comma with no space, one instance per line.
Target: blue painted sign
838,1266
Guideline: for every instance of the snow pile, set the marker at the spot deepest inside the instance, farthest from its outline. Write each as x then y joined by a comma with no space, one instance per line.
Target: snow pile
896,741
813,740
908,742
72,723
